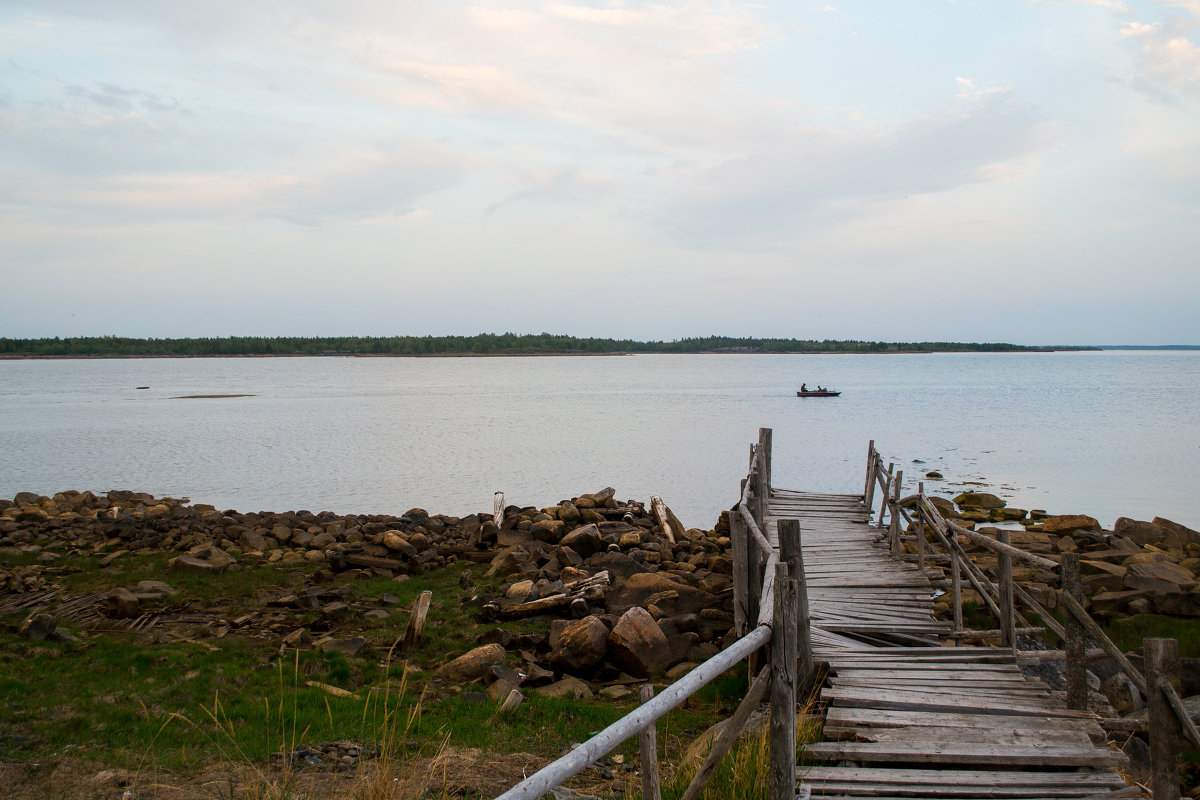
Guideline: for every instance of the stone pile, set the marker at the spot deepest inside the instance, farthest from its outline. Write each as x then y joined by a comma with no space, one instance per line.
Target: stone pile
631,599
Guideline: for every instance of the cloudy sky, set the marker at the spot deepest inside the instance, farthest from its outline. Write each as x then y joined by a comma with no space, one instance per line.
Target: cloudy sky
1001,170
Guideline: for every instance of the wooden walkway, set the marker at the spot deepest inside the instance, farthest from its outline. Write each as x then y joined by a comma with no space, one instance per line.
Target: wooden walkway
906,716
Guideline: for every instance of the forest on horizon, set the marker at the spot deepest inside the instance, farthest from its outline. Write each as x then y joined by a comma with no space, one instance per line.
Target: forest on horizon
481,344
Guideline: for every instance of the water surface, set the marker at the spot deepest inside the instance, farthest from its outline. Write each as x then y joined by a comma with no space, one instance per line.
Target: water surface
1106,433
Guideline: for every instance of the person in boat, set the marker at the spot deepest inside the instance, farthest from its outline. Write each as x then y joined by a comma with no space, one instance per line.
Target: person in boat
804,387
820,389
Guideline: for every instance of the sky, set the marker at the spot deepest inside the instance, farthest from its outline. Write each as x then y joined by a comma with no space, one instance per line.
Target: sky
1004,170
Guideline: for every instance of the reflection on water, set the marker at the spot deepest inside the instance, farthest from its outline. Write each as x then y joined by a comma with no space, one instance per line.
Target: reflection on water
1110,434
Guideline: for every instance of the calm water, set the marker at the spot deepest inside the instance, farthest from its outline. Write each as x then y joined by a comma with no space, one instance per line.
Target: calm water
1108,434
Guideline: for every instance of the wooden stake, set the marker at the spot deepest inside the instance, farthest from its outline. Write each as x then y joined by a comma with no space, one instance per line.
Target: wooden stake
1166,741
648,743
416,620
781,781
498,509
511,702
664,519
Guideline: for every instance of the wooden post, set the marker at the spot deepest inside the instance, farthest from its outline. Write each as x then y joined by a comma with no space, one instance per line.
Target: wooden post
869,486
956,582
1077,692
781,781
1166,732
894,510
791,553
659,509
648,744
764,448
498,509
1008,637
739,538
887,493
416,620
920,529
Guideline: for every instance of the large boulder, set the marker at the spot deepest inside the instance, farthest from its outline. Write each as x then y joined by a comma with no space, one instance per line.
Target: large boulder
1070,522
584,540
637,645
1139,531
638,589
581,644
1177,535
470,665
1158,576
978,501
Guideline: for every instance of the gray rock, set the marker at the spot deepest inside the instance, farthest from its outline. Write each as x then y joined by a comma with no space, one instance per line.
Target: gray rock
580,645
1122,694
470,665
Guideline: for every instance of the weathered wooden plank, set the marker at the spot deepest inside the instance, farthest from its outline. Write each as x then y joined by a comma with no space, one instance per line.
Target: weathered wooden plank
956,777
968,753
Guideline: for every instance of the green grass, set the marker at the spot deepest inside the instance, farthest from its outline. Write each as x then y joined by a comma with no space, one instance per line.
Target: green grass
1127,633
129,699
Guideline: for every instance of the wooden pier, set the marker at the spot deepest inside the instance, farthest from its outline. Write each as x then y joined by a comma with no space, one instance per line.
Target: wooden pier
905,715
825,599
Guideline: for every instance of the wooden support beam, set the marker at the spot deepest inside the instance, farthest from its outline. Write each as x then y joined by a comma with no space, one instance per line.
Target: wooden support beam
1097,633
1166,740
729,734
781,773
648,748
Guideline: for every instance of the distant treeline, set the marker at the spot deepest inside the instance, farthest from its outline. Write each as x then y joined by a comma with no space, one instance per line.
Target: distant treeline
482,344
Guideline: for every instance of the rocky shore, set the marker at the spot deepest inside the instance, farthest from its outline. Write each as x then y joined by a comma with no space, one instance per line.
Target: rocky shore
584,598
628,597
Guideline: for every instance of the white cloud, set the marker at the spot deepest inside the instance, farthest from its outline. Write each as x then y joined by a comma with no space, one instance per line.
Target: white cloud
1168,58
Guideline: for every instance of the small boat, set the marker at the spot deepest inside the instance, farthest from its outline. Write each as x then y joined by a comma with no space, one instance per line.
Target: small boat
814,393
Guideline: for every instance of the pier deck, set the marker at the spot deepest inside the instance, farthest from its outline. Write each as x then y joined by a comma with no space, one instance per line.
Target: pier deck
906,715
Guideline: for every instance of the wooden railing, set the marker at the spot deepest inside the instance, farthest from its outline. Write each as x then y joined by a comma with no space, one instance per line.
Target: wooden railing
938,538
770,607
